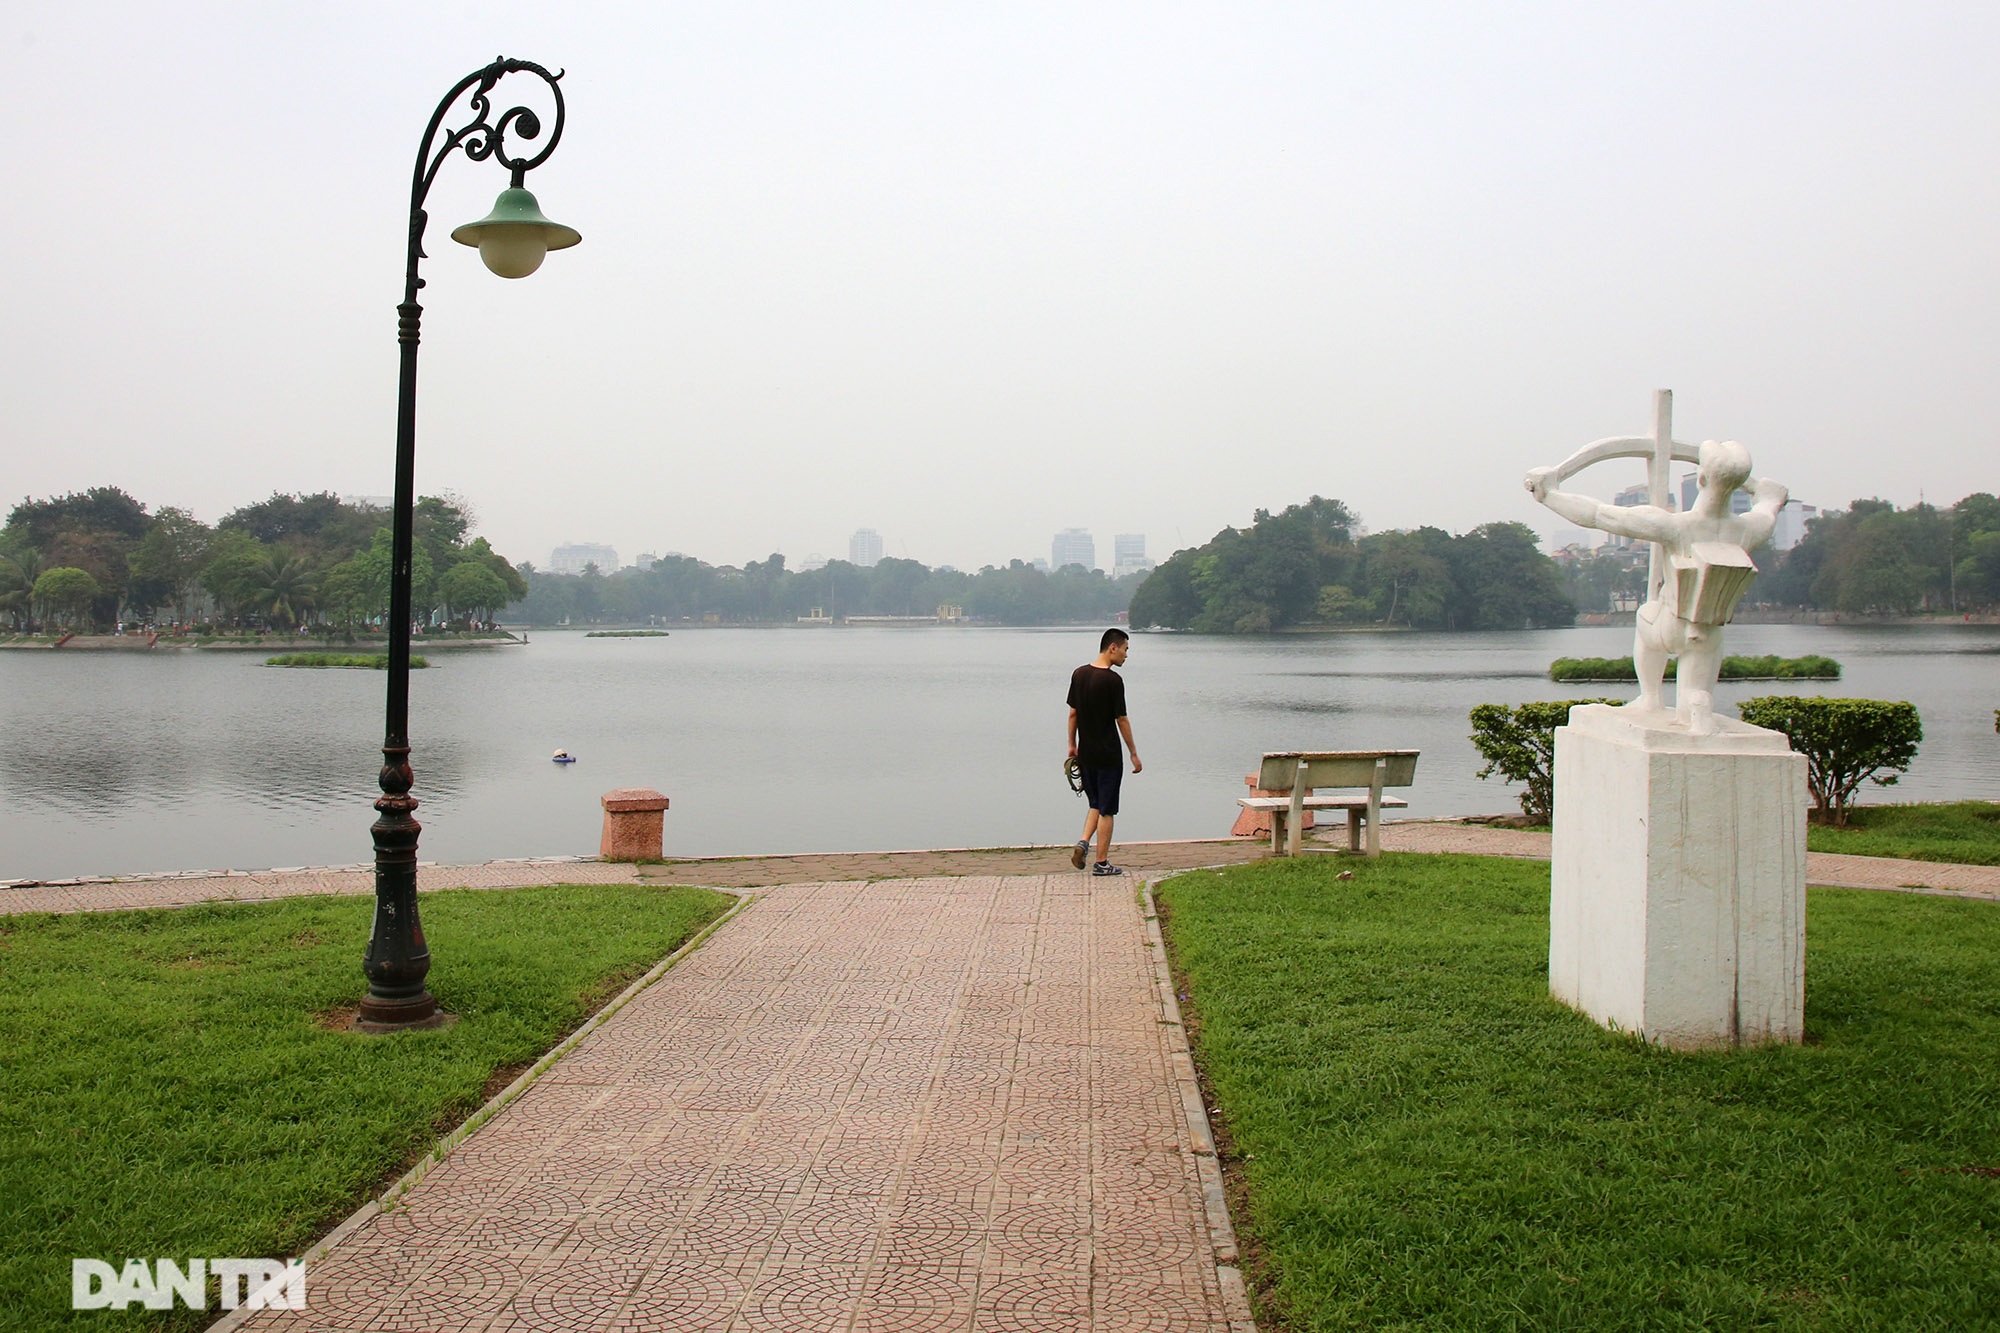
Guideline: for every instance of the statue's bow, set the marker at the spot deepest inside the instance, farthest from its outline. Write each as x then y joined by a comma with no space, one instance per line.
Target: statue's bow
1621,446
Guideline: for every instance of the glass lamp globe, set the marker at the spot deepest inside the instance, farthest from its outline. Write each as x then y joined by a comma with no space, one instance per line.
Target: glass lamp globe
514,237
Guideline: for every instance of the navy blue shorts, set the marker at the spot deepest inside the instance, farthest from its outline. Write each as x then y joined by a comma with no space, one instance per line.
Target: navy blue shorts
1100,788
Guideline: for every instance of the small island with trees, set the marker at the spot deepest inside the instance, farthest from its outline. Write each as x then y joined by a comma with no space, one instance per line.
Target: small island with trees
1606,669
293,564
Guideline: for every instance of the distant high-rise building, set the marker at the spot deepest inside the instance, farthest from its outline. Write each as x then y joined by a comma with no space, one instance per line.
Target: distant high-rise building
645,561
1128,554
1629,498
864,548
1739,503
814,560
1791,526
1073,546
572,558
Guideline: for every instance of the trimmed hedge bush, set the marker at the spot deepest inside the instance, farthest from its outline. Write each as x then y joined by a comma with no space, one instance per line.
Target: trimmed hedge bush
1520,744
1733,668
1845,741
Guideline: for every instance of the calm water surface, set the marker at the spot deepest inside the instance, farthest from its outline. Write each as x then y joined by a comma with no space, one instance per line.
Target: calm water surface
806,740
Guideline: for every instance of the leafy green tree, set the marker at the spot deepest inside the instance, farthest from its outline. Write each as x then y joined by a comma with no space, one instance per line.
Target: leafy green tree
366,578
288,519
1269,576
1845,741
67,593
1407,577
1338,605
469,589
1977,576
166,565
1503,581
1167,596
589,599
234,570
517,587
107,509
1519,743
897,587
341,604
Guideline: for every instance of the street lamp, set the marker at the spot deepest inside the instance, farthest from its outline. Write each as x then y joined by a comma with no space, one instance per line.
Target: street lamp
512,239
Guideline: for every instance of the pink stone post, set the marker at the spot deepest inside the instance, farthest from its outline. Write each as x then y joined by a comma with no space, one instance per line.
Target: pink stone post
633,819
1257,823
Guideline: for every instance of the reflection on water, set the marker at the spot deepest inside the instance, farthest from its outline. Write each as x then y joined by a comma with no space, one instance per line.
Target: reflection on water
778,740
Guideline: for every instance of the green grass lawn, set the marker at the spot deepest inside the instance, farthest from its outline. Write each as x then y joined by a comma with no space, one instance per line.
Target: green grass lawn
1967,832
169,1087
1421,1137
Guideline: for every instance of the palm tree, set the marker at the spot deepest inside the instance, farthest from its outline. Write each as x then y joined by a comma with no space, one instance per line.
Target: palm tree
284,587
18,573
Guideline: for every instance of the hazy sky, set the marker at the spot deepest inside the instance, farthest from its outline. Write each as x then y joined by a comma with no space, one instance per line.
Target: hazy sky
971,273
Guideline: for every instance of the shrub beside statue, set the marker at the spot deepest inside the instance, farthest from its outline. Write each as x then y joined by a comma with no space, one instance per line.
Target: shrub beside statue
1519,744
1845,741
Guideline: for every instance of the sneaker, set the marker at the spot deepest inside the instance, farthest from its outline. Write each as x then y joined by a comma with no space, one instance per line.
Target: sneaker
1078,852
1106,868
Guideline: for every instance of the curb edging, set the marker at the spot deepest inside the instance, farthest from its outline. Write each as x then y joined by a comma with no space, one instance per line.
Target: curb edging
1213,1201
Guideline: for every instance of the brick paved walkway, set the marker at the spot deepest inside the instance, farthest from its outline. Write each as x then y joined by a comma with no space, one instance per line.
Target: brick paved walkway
946,1103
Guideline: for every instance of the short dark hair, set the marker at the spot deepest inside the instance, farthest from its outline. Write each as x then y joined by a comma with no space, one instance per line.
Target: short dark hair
1112,636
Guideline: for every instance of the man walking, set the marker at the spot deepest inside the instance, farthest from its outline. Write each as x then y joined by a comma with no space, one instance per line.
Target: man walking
1096,722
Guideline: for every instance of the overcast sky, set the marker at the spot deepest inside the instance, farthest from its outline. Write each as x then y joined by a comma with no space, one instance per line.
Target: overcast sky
971,273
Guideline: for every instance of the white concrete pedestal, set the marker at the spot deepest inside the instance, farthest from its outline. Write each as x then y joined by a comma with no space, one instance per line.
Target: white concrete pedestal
1678,901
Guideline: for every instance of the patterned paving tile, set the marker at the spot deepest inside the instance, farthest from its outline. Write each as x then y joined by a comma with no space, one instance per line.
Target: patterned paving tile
899,1105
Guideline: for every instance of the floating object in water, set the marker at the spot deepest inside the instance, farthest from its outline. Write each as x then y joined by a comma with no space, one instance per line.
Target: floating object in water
563,757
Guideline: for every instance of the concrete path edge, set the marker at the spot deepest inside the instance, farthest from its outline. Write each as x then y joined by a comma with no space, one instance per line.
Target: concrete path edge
1208,1162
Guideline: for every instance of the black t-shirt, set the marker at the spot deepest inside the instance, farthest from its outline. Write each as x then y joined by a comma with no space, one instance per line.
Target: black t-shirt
1098,696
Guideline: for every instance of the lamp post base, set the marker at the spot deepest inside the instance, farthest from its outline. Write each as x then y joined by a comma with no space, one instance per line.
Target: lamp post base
379,1017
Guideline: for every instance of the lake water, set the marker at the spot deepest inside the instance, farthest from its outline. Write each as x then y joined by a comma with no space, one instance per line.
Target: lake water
780,740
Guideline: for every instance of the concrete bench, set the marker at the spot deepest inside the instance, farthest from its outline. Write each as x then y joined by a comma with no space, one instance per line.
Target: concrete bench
1306,772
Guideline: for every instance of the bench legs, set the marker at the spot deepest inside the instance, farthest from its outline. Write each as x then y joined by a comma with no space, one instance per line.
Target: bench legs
1285,837
1284,833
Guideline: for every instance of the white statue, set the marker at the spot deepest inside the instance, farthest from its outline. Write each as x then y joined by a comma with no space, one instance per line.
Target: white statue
1701,558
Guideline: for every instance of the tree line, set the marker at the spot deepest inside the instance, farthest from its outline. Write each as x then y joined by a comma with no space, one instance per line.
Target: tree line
681,588
1868,559
1875,558
96,558
1306,566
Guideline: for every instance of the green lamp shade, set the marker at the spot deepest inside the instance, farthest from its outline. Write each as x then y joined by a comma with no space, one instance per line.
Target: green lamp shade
514,237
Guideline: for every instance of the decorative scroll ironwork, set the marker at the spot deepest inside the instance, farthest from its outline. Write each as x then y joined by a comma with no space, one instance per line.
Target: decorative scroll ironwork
481,138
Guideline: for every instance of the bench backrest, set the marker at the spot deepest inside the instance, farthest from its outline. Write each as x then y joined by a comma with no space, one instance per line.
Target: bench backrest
1338,768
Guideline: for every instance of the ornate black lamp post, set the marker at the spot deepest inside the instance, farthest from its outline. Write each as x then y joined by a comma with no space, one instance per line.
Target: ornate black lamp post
512,239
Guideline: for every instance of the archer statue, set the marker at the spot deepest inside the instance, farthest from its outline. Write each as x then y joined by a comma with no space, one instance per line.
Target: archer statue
1701,562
